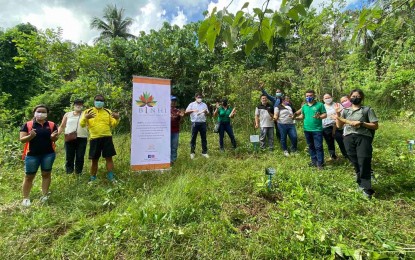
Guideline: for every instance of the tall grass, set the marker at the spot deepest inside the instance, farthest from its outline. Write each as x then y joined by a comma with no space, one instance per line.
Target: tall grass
218,208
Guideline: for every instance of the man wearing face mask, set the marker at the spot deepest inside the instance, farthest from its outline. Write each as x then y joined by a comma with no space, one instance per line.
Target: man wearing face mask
198,111
100,121
276,101
313,112
75,146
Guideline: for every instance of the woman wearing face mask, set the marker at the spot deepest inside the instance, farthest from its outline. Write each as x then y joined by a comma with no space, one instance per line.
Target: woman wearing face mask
359,123
39,136
283,115
225,114
74,147
330,131
345,101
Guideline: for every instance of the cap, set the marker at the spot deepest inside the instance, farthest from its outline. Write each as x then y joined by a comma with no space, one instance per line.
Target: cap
173,98
78,101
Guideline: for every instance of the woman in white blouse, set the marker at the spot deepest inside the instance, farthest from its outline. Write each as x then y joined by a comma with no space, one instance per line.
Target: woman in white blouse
76,138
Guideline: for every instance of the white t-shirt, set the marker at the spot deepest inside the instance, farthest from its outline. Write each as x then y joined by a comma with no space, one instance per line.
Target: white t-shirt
197,117
72,121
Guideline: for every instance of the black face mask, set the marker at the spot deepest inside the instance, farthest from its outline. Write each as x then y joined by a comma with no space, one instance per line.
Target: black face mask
356,101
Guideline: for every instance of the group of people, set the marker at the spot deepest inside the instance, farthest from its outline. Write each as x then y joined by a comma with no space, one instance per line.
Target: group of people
40,135
348,123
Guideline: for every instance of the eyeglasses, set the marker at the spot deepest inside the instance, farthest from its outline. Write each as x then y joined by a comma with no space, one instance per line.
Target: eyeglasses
99,100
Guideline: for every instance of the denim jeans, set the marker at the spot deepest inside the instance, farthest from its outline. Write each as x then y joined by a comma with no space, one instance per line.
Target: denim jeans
288,129
267,132
174,142
45,161
198,127
226,127
75,151
315,146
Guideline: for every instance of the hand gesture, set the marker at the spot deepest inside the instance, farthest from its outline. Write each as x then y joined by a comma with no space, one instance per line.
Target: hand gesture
115,115
338,108
54,134
181,113
261,85
317,115
355,124
32,133
90,114
217,105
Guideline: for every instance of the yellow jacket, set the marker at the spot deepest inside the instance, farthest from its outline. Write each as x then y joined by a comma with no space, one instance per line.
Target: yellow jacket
101,124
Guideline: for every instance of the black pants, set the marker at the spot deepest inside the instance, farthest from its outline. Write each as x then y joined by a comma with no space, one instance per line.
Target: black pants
359,149
329,138
75,151
198,127
226,127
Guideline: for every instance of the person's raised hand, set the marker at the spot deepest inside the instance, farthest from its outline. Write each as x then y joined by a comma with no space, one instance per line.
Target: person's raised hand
32,133
115,115
54,134
90,115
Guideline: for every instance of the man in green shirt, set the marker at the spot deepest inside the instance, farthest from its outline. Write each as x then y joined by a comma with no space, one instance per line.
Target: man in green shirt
313,112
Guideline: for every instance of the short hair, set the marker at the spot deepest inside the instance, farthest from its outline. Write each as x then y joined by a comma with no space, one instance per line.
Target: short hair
39,106
198,95
263,95
78,101
310,91
362,95
99,95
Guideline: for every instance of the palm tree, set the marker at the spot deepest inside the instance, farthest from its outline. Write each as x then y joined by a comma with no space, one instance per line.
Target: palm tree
113,25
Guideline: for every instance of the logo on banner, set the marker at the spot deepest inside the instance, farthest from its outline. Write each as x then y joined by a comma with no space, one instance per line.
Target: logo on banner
146,99
151,156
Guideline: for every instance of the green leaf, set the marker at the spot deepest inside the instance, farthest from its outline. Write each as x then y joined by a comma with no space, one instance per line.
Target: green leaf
307,3
245,5
293,14
238,17
214,11
228,19
204,26
300,9
227,36
284,29
252,43
267,32
277,19
258,12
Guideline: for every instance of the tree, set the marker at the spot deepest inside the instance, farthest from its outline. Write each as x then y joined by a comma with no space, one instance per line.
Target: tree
113,25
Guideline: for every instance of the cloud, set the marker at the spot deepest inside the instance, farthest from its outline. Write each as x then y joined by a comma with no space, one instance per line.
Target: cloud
180,19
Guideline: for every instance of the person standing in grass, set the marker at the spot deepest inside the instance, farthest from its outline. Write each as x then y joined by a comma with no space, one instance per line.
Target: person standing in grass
276,101
176,117
225,113
283,115
39,136
313,112
330,131
359,123
264,121
100,121
198,111
74,149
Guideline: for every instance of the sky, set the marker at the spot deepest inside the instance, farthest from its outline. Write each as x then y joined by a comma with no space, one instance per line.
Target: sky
74,16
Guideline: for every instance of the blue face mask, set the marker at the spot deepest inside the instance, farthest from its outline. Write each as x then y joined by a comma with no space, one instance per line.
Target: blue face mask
309,99
99,104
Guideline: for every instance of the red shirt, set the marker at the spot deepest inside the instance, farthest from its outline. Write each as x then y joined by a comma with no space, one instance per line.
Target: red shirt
175,120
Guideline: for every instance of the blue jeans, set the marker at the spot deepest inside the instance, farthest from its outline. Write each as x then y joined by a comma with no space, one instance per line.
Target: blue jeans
315,147
174,142
288,129
45,161
226,127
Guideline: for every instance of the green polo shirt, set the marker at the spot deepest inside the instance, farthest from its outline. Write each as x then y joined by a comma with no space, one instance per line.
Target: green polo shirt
224,114
312,124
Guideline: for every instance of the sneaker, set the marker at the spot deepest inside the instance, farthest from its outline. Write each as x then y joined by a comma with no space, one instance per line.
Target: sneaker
320,168
26,202
92,179
286,154
368,193
44,198
192,156
110,176
205,155
312,164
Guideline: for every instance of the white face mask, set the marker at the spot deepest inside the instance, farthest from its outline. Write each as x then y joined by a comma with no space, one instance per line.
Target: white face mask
40,116
198,100
328,101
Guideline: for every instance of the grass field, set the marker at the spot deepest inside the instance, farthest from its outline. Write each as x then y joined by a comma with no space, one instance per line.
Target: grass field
218,208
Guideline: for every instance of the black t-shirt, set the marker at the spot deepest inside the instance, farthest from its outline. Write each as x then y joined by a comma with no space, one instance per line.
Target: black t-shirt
41,144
